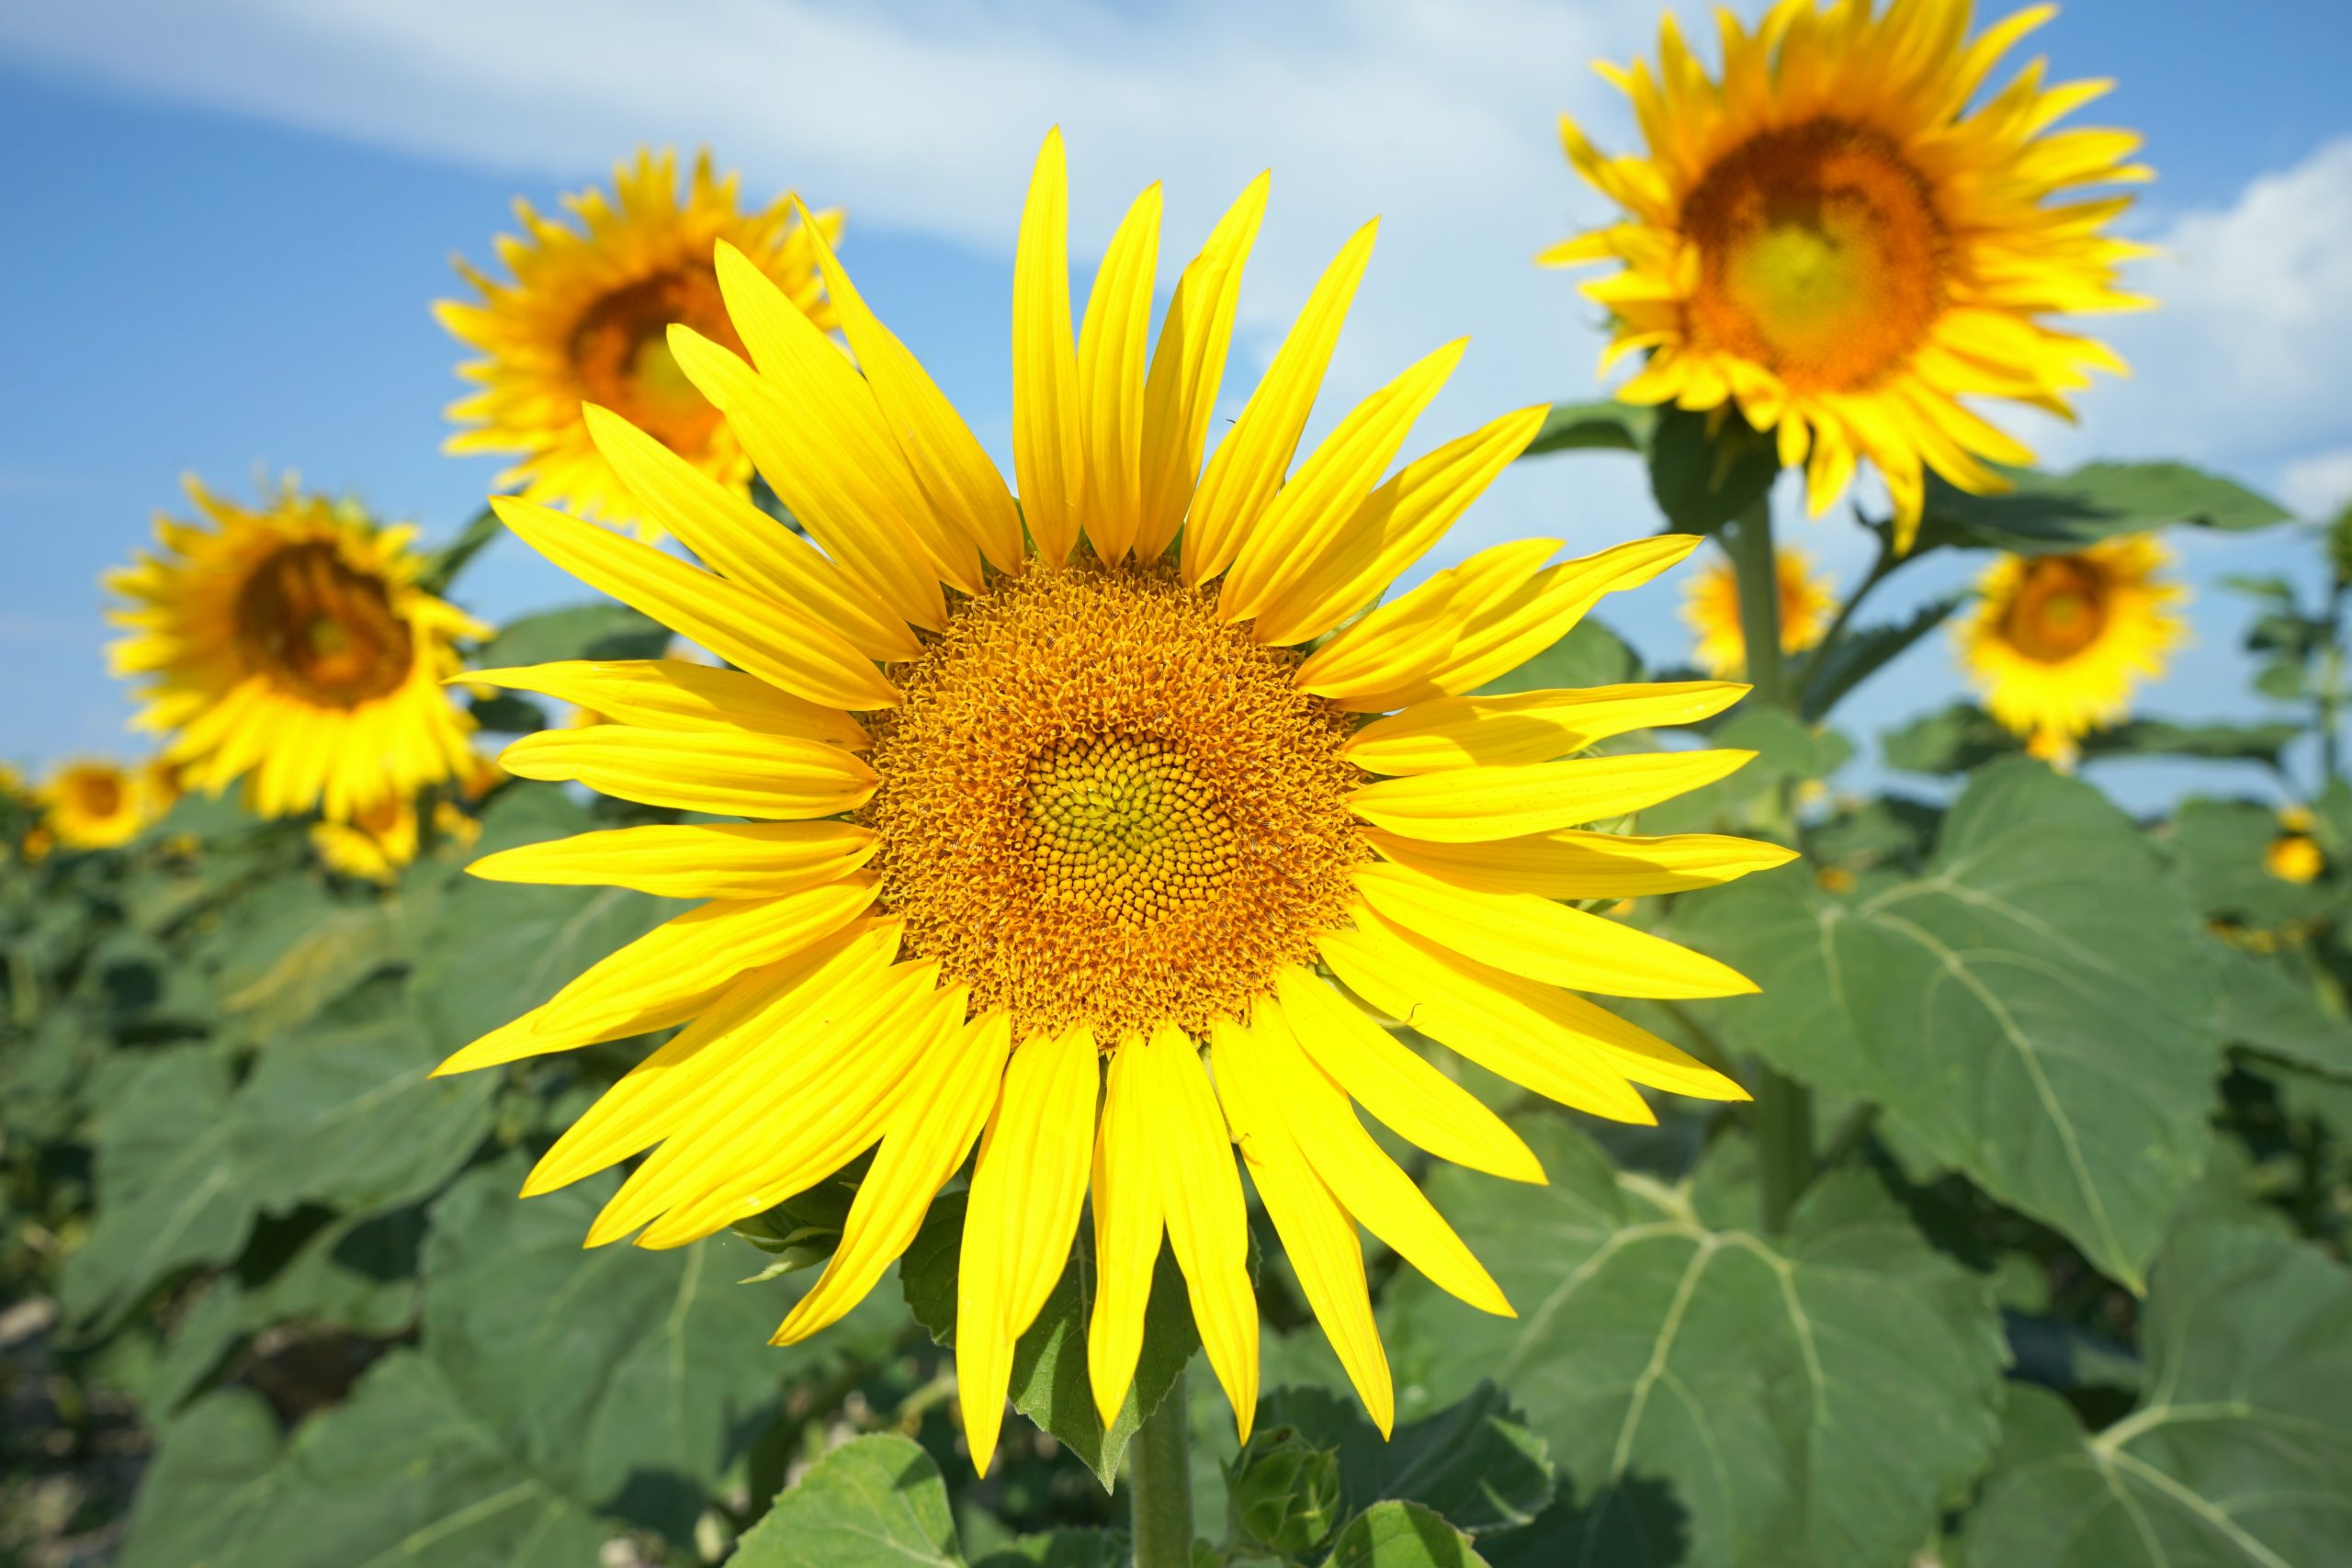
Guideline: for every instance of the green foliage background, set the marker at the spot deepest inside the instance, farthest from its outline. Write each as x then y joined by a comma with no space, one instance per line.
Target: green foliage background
2068,1289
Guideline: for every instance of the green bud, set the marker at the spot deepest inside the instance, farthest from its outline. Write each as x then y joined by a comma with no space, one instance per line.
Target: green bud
1286,1491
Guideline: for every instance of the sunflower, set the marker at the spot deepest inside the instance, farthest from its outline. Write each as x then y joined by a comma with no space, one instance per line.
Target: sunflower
92,805
586,320
2295,855
289,644
1837,237
374,845
1050,804
2057,642
1710,609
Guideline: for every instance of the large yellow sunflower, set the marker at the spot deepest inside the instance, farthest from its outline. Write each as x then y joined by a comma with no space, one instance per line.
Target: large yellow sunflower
2056,643
289,644
1710,609
587,316
1837,237
89,805
1049,811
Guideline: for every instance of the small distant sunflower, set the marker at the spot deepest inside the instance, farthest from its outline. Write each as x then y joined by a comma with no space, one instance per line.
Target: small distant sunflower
1045,805
2295,855
1710,609
1835,236
374,845
289,644
90,805
587,316
2056,643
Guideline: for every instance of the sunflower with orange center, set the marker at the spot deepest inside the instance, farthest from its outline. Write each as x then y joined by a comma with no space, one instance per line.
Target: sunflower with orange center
288,645
2057,643
1097,830
1838,237
89,805
1710,609
586,320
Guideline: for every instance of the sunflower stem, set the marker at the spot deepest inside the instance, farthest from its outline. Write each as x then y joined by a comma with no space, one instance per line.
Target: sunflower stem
1159,1484
1784,1113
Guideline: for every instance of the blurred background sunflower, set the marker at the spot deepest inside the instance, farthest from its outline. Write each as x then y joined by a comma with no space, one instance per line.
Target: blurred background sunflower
2057,644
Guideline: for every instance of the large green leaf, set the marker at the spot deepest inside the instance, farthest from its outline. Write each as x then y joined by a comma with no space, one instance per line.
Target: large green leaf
2269,1007
1474,1461
2219,846
2239,1453
1712,1396
2039,1010
1603,426
1049,1378
630,1377
2053,513
1706,470
1401,1535
1059,1549
401,1473
600,630
877,1502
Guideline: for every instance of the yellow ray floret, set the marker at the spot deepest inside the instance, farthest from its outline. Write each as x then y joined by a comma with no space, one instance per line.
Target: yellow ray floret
585,319
290,646
1066,860
92,804
1842,237
2057,643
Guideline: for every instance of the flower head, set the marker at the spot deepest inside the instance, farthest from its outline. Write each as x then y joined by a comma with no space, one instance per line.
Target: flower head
2056,643
288,645
1838,237
1710,609
586,320
1047,810
92,804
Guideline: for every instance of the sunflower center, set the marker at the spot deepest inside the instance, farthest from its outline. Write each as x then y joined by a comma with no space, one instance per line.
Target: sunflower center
98,795
620,350
322,630
1100,804
2059,610
1820,254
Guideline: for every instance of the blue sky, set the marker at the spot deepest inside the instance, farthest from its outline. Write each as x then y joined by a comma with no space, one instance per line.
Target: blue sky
226,227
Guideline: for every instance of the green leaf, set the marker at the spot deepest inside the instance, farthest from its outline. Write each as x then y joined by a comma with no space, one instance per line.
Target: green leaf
1591,655
289,947
2269,1007
1957,739
877,1502
630,1378
1061,1548
1049,1378
1706,470
2054,514
1788,750
2219,847
1606,426
601,630
504,712
2038,1010
2239,1453
1861,653
2216,742
441,568
1474,1461
1401,1535
399,1473
1710,1396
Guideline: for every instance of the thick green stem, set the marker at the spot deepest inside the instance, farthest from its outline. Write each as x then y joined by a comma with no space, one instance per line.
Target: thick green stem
1783,1115
1159,1485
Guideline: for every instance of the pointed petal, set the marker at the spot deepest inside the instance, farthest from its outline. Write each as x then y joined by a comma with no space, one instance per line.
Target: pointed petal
1047,445
1473,805
1569,864
1518,728
674,693
698,860
1127,1223
1110,378
1208,1225
735,773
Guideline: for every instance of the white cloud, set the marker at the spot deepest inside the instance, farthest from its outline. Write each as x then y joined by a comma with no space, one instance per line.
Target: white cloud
2316,486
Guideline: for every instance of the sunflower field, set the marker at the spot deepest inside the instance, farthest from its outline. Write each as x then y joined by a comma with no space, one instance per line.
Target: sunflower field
1124,1022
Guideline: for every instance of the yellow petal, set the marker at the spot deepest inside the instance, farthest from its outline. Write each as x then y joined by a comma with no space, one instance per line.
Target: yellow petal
1110,378
773,641
1397,644
674,693
1544,941
524,1038
1573,865
844,509
1254,456
1390,1080
948,458
1316,1232
936,1117
1308,513
845,427
1179,397
1047,445
1028,1186
744,544
735,773
1127,1222
700,951
1208,1225
1518,728
1468,806
1371,1185
1392,528
699,859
